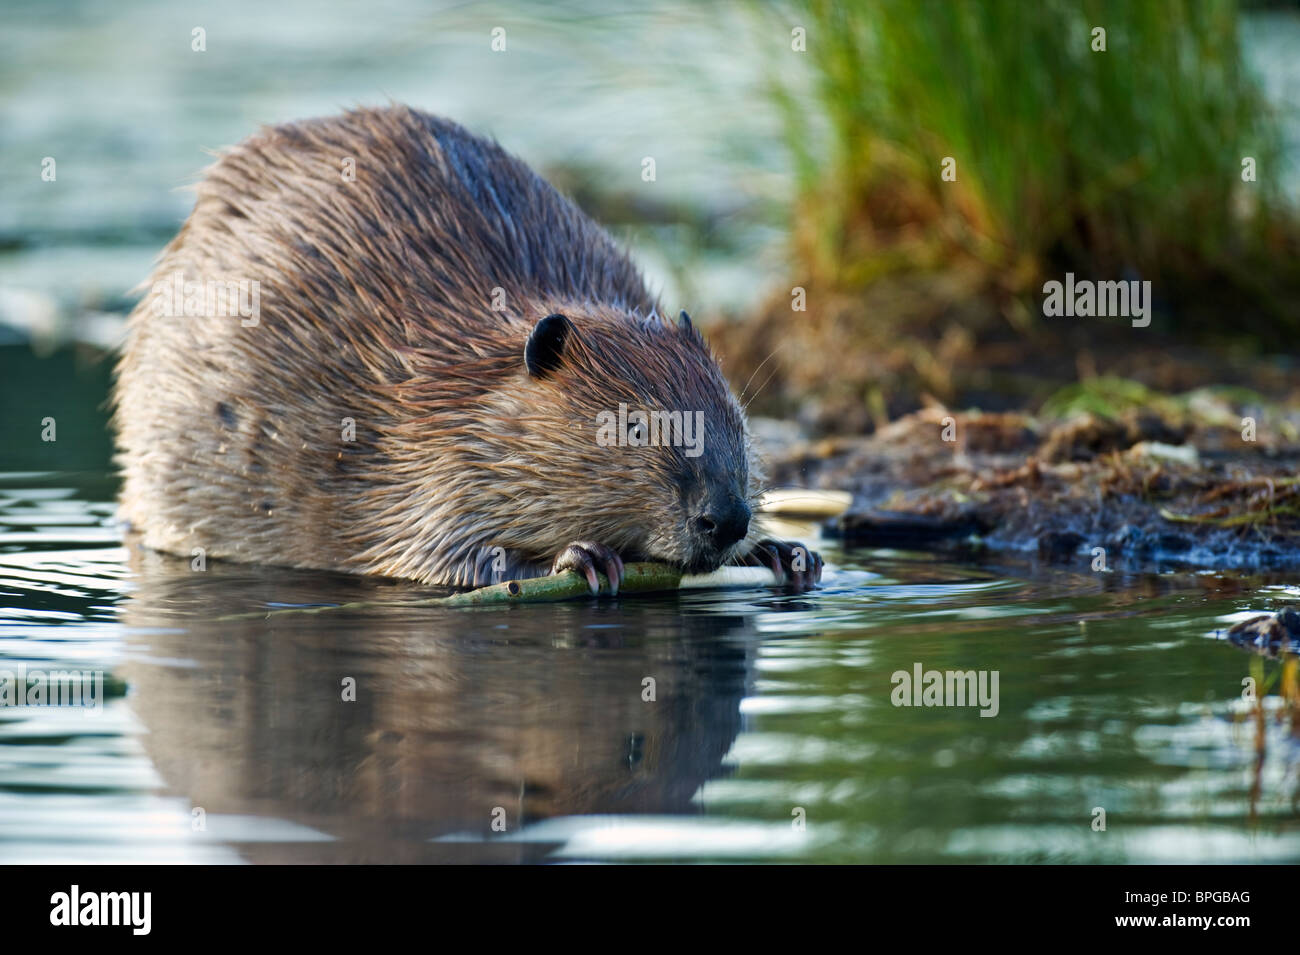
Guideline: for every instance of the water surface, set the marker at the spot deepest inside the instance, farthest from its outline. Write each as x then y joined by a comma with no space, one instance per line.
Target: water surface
772,736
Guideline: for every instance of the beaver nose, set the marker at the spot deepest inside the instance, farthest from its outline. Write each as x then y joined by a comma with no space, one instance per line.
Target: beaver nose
724,524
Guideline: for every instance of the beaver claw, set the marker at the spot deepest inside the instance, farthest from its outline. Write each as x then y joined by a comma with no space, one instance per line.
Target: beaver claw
792,563
583,556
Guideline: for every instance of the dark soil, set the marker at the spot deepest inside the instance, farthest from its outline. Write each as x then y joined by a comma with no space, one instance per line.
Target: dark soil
1139,489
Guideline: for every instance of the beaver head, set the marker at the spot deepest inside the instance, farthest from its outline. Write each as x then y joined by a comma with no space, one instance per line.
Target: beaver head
650,398
597,426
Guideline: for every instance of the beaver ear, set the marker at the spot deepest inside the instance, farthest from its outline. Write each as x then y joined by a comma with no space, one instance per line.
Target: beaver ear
686,327
546,345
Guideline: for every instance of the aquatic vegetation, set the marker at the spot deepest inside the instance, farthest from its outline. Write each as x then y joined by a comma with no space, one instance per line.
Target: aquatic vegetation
1107,396
952,159
1274,674
1248,503
1123,161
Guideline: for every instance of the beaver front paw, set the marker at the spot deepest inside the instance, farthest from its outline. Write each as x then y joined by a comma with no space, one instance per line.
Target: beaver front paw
583,556
792,563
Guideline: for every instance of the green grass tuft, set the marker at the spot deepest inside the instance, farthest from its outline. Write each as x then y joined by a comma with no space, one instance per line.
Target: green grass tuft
1118,164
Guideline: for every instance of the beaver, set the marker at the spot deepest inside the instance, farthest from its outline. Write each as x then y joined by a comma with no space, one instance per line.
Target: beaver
381,344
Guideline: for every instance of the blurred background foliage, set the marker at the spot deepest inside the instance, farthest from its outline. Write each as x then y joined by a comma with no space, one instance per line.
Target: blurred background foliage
1117,161
1125,163
1116,164
776,168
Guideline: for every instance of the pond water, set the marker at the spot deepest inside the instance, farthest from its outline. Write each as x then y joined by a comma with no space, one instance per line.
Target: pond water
772,735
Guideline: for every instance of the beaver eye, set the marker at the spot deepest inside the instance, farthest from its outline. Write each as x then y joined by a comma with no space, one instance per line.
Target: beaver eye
638,434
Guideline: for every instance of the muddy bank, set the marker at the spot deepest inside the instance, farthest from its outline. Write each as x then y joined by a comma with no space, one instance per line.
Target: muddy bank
1186,484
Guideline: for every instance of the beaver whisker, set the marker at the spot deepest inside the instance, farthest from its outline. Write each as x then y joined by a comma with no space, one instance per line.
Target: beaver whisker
770,355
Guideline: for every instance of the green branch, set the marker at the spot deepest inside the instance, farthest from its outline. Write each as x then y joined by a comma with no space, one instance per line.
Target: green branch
637,579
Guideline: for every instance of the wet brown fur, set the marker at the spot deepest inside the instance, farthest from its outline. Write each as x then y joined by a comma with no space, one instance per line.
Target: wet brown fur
376,305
